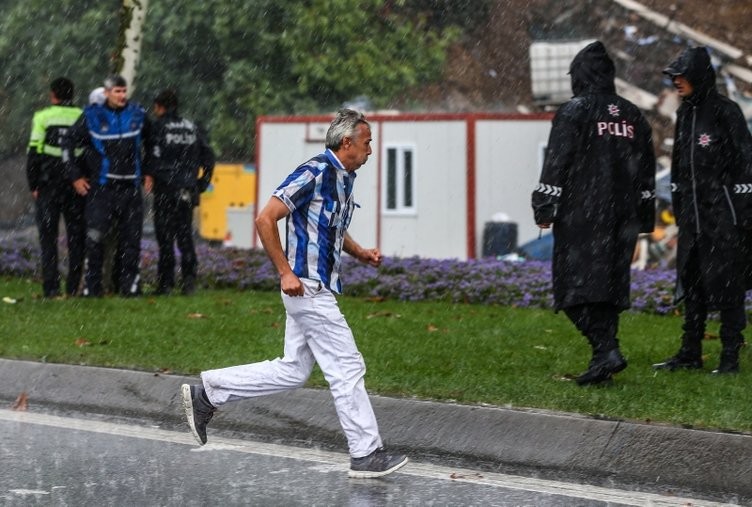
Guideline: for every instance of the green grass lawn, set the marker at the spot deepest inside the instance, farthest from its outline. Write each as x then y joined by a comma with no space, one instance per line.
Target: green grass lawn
502,356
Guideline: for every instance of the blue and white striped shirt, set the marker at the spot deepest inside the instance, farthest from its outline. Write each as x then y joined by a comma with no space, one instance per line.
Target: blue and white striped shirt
319,196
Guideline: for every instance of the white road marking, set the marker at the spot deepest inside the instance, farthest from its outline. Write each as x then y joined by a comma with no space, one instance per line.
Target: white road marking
333,461
28,492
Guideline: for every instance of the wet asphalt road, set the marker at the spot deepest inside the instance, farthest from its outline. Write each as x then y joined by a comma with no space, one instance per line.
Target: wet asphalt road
54,460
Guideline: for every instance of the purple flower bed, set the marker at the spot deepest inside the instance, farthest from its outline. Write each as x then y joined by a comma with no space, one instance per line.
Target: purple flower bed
19,257
489,281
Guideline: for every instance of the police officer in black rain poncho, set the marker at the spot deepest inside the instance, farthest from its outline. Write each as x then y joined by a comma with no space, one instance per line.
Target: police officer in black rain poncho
597,190
711,176
179,168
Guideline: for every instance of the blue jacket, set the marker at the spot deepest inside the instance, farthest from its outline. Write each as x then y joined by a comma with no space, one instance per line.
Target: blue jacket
112,139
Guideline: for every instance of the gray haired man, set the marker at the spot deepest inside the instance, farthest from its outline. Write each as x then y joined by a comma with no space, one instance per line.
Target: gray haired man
316,200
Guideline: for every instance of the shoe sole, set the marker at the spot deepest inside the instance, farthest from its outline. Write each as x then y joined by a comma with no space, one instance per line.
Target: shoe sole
660,366
601,379
185,391
724,372
366,474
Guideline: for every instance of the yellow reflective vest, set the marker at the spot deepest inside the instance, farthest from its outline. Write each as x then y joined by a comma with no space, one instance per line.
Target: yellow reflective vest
48,126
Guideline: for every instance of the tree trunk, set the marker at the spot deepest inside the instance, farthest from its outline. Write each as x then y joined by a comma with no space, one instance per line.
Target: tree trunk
128,51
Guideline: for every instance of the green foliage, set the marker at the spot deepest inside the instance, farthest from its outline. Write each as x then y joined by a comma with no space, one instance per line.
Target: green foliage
433,350
230,61
40,40
335,57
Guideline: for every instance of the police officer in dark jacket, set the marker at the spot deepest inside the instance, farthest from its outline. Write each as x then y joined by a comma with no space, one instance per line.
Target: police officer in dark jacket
113,136
51,189
179,153
711,176
597,189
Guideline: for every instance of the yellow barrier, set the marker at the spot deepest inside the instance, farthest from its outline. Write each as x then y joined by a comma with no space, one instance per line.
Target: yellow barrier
232,186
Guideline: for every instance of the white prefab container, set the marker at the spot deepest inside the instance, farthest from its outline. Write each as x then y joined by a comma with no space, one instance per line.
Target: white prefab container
240,228
432,182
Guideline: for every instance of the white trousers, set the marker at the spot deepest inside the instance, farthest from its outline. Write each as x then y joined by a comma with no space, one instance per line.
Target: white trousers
316,331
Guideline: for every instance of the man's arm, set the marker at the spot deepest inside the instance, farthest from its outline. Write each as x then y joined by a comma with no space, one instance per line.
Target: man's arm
741,141
562,145
206,161
646,210
266,226
148,135
370,256
151,155
77,136
34,157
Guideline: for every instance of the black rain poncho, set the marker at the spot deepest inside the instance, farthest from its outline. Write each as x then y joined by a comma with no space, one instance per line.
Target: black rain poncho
711,176
597,187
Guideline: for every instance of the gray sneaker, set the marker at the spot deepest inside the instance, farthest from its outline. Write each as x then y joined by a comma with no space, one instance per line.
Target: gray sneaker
198,411
376,464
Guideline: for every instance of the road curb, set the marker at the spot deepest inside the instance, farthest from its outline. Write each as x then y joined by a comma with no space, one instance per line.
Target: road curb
667,457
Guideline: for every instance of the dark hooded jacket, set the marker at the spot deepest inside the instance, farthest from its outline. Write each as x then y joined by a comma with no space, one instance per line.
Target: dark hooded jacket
711,175
597,187
179,150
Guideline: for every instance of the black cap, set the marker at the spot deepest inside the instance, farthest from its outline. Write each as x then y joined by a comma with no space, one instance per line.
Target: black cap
672,71
691,62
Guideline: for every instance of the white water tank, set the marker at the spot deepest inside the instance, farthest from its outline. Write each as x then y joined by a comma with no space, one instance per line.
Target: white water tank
549,65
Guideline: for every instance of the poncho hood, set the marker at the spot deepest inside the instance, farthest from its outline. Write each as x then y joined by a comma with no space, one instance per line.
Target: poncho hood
592,70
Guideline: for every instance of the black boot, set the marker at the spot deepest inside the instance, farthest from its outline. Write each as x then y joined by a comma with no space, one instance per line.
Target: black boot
162,290
729,355
729,364
689,356
599,323
165,283
189,285
602,367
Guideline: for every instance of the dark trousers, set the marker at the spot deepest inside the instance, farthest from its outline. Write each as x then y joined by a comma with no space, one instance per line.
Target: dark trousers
119,204
733,318
598,322
54,201
173,222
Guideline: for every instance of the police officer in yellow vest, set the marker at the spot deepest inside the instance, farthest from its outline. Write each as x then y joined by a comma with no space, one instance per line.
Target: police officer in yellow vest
52,190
